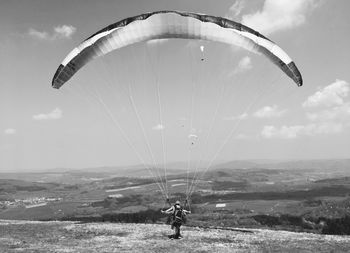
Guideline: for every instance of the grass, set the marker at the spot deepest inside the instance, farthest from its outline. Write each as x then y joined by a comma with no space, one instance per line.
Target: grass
26,236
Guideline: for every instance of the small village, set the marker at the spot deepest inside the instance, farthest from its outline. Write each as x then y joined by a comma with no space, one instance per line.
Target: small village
28,202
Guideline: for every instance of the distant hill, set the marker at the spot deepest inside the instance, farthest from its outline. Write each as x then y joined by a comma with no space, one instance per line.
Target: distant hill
336,167
12,185
334,181
321,164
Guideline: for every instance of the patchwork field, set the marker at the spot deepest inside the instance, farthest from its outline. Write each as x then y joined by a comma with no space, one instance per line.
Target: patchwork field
311,196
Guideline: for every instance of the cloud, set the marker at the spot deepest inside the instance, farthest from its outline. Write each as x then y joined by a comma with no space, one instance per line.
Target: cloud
59,32
269,112
158,127
339,113
236,9
64,31
244,64
284,132
292,132
10,131
333,118
331,100
330,95
238,117
277,15
39,35
55,114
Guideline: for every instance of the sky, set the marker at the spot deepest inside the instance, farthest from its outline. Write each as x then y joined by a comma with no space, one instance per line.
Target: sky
159,102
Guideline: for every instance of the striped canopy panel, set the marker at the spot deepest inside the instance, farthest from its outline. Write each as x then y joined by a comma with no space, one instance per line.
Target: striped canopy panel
172,24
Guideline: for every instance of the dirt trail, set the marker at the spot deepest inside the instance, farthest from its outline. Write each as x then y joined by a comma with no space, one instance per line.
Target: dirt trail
27,236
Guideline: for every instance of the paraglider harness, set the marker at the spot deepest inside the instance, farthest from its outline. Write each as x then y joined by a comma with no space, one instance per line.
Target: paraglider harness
178,215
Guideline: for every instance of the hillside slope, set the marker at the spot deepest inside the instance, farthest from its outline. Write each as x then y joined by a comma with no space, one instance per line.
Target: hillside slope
29,236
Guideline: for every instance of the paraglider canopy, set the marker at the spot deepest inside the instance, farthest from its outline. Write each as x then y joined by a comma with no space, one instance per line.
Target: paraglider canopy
172,24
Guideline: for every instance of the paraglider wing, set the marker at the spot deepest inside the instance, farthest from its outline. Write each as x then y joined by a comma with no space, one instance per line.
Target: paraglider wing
192,138
172,24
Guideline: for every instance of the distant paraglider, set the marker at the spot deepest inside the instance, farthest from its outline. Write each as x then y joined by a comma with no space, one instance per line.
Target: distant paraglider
202,50
193,139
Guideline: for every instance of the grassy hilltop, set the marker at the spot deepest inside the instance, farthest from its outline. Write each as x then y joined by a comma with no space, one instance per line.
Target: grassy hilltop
34,236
